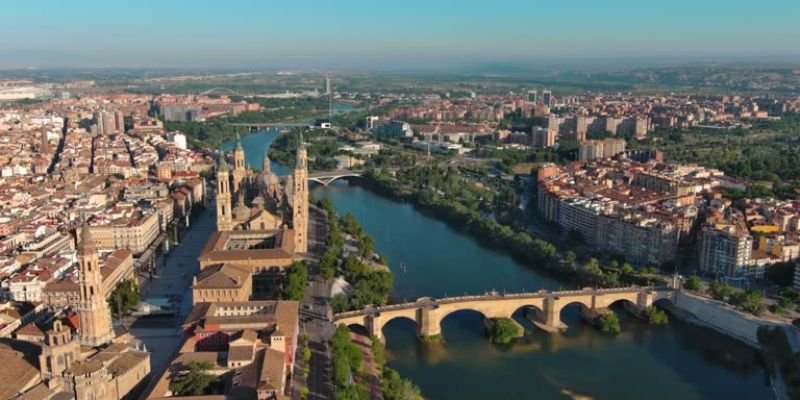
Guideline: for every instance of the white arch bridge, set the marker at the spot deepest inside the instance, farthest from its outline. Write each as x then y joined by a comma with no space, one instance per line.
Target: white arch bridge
324,178
428,312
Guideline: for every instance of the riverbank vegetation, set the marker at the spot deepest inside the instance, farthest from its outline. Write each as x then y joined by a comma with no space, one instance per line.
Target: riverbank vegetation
656,316
370,282
216,130
503,330
320,145
393,386
782,362
492,217
352,373
608,323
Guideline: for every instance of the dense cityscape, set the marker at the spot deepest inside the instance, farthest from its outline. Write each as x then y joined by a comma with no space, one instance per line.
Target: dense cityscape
246,215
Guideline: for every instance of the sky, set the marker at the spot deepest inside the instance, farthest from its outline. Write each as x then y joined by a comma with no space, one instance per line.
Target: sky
381,33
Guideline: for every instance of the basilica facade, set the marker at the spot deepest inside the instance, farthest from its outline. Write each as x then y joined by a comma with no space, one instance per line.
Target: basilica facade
250,201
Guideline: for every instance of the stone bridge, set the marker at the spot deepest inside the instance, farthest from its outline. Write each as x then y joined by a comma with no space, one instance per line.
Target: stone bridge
428,313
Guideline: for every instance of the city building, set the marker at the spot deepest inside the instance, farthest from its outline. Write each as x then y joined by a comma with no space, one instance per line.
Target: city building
597,149
250,344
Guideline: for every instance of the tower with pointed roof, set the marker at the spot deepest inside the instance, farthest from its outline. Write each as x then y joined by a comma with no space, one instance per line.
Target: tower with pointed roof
224,200
239,169
95,328
300,199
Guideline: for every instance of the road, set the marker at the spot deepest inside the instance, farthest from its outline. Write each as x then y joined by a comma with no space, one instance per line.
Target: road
162,335
315,316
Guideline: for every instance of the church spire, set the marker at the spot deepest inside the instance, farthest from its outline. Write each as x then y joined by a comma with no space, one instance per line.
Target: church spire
266,166
95,327
222,164
239,142
302,155
87,245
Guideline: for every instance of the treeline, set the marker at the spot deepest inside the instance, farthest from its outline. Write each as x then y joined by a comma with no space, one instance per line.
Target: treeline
321,149
348,376
368,285
768,152
211,133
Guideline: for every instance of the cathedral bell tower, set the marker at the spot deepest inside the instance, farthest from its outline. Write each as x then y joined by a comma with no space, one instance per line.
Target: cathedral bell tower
95,329
300,199
224,203
239,169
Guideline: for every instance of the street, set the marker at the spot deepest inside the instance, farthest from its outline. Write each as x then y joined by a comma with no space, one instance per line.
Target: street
173,277
314,317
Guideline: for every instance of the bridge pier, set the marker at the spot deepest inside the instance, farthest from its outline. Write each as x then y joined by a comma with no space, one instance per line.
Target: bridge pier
374,325
429,323
552,316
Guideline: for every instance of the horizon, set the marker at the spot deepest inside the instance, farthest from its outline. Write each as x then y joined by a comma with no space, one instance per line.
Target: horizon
414,35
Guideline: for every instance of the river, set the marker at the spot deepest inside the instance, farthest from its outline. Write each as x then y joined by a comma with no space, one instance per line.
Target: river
429,258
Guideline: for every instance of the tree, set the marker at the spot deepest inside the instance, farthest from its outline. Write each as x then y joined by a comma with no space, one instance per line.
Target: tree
194,380
296,281
656,316
721,291
303,393
367,246
503,330
339,303
591,270
750,301
609,323
395,387
626,269
569,259
306,354
125,298
693,283
327,264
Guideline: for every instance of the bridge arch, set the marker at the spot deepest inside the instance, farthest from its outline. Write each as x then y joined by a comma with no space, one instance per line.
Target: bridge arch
327,180
532,313
221,89
359,329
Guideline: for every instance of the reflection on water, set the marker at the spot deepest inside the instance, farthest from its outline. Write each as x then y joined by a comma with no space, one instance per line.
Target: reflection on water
641,362
678,361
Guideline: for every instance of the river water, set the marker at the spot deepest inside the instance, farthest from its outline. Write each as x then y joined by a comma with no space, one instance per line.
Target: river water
429,258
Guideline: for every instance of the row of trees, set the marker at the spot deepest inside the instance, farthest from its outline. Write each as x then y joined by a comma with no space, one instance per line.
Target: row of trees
296,281
393,386
368,284
747,300
346,361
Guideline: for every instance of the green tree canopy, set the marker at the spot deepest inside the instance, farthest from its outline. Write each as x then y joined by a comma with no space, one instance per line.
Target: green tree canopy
194,380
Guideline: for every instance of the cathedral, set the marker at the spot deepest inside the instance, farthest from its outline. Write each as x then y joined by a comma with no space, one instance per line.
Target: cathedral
247,201
90,364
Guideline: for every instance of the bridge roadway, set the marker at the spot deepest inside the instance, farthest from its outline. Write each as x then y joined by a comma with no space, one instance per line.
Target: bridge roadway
428,312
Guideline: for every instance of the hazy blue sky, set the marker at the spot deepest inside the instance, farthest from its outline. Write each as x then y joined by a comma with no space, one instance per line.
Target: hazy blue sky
150,33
